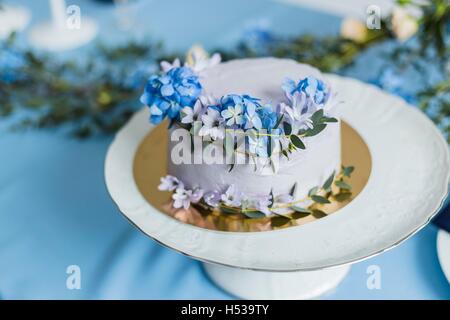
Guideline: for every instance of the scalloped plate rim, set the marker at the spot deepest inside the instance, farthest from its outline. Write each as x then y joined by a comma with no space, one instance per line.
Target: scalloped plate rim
135,211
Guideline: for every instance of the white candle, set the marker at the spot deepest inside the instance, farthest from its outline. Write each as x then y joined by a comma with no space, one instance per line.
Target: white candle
58,10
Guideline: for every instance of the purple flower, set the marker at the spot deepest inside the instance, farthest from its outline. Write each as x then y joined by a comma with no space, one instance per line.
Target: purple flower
212,198
282,204
232,197
169,183
315,89
263,203
182,198
299,113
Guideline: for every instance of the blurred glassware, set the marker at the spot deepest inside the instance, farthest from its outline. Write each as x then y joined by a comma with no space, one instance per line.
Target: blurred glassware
125,14
13,19
67,30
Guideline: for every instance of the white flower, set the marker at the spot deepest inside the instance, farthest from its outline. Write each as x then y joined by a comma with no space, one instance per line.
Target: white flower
299,112
281,204
234,115
189,115
262,203
257,145
232,197
166,66
169,183
212,125
183,198
404,25
353,29
197,59
208,100
252,117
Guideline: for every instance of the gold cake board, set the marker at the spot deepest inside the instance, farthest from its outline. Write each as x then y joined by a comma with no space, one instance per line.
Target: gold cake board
150,164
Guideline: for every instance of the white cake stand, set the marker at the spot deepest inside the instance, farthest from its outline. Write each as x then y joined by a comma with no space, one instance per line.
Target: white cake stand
406,187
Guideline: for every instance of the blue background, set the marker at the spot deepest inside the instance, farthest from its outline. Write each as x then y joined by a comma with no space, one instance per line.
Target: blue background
55,210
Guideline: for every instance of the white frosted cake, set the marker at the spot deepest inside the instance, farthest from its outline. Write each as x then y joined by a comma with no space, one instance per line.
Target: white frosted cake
257,137
262,78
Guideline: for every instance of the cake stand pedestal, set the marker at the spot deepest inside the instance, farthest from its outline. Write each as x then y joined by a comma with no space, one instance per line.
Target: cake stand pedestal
408,181
259,285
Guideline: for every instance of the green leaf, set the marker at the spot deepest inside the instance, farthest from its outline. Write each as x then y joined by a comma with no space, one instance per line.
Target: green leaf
315,130
171,123
313,191
315,118
279,221
271,198
228,210
343,185
287,128
342,196
299,215
328,182
293,189
279,121
300,209
320,199
328,119
254,214
297,142
348,171
318,214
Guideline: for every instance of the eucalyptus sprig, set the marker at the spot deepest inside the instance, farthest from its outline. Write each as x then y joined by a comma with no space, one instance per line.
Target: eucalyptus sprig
434,20
95,96
335,188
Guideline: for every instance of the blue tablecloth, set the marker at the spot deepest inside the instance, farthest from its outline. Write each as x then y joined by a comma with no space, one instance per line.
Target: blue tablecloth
55,210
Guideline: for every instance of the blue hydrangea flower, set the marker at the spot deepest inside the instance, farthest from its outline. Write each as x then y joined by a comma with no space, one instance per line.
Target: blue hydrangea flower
234,99
257,145
239,109
11,64
234,115
392,82
258,37
268,117
252,118
168,93
314,89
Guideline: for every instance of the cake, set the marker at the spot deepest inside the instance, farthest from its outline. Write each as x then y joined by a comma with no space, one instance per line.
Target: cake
256,137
